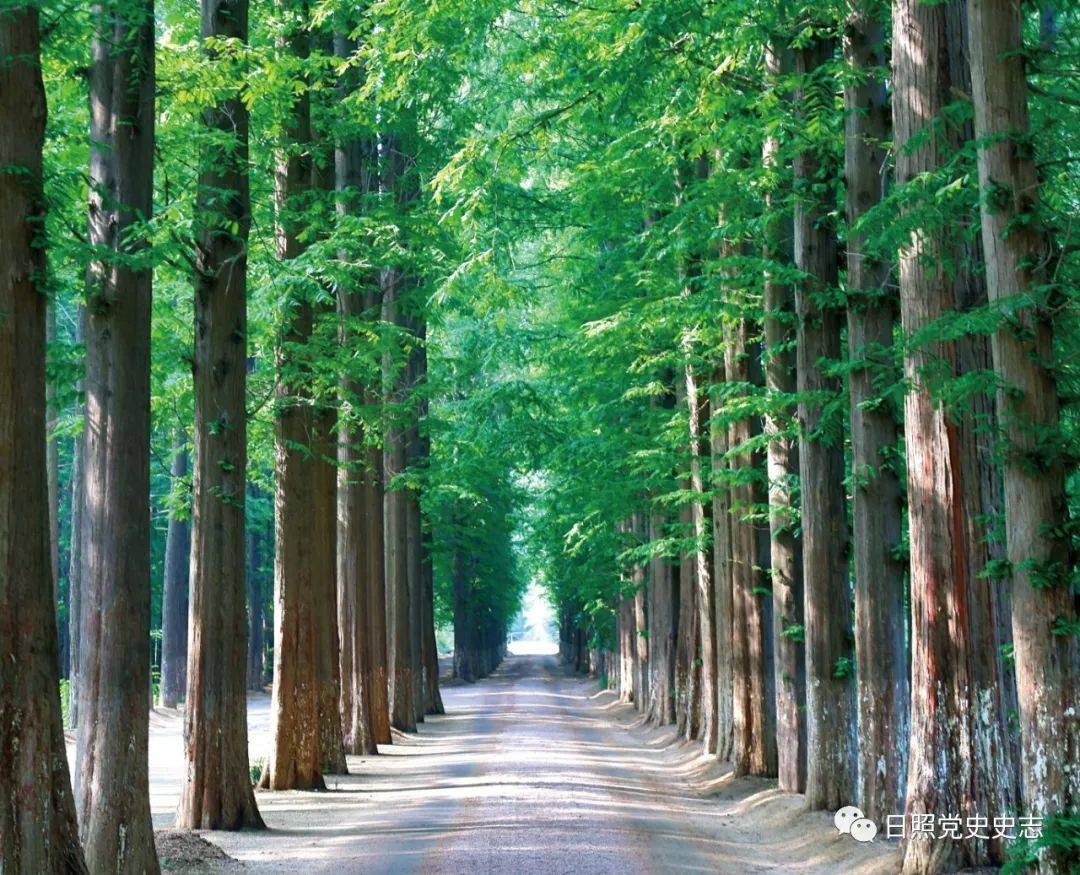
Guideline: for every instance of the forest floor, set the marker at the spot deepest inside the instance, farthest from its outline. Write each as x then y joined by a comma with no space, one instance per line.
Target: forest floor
530,771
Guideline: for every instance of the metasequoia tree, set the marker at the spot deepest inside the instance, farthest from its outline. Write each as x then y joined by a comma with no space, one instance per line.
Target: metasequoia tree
111,784
359,536
394,284
295,758
174,588
830,772
324,590
1019,255
944,774
37,812
880,654
753,714
782,458
217,792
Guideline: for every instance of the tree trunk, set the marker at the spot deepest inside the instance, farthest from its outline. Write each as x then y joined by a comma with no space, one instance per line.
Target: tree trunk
216,793
997,755
1017,256
429,656
640,642
52,463
662,614
723,608
375,533
174,590
112,787
880,653
944,775
37,813
256,539
753,721
395,459
830,772
295,757
782,465
414,562
78,507
324,596
395,521
433,703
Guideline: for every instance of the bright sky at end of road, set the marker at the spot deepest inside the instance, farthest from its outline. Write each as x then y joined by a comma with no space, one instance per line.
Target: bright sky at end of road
539,621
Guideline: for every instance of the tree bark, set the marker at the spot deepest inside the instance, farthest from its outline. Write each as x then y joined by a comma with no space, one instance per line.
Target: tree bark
52,462
429,656
112,786
880,652
723,608
174,590
997,756
1018,252
640,643
324,597
414,563
256,647
217,793
78,507
830,772
295,756
782,466
944,775
753,721
38,831
395,520
662,617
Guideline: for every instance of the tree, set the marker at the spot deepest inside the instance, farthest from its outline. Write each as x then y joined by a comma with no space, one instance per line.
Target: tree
1017,244
782,457
944,775
295,757
38,832
174,590
217,790
111,784
830,771
880,653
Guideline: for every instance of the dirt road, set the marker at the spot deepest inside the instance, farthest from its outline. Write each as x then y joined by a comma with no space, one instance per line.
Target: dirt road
530,771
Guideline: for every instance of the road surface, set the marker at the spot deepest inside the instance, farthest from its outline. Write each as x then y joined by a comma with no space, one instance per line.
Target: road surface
530,771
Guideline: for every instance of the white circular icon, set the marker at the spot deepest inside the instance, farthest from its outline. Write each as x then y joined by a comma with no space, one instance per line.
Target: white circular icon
863,830
845,817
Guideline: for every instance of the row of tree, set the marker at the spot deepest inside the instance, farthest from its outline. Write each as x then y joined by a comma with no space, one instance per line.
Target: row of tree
153,375
817,514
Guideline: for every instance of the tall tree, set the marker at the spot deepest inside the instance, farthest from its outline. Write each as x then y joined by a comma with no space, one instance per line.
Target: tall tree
399,616
359,573
782,455
880,653
753,715
830,770
324,595
174,589
295,757
37,813
944,774
78,505
217,790
723,608
112,785
1016,245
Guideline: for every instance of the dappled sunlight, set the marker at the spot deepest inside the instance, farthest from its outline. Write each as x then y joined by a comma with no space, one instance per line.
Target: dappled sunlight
536,766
